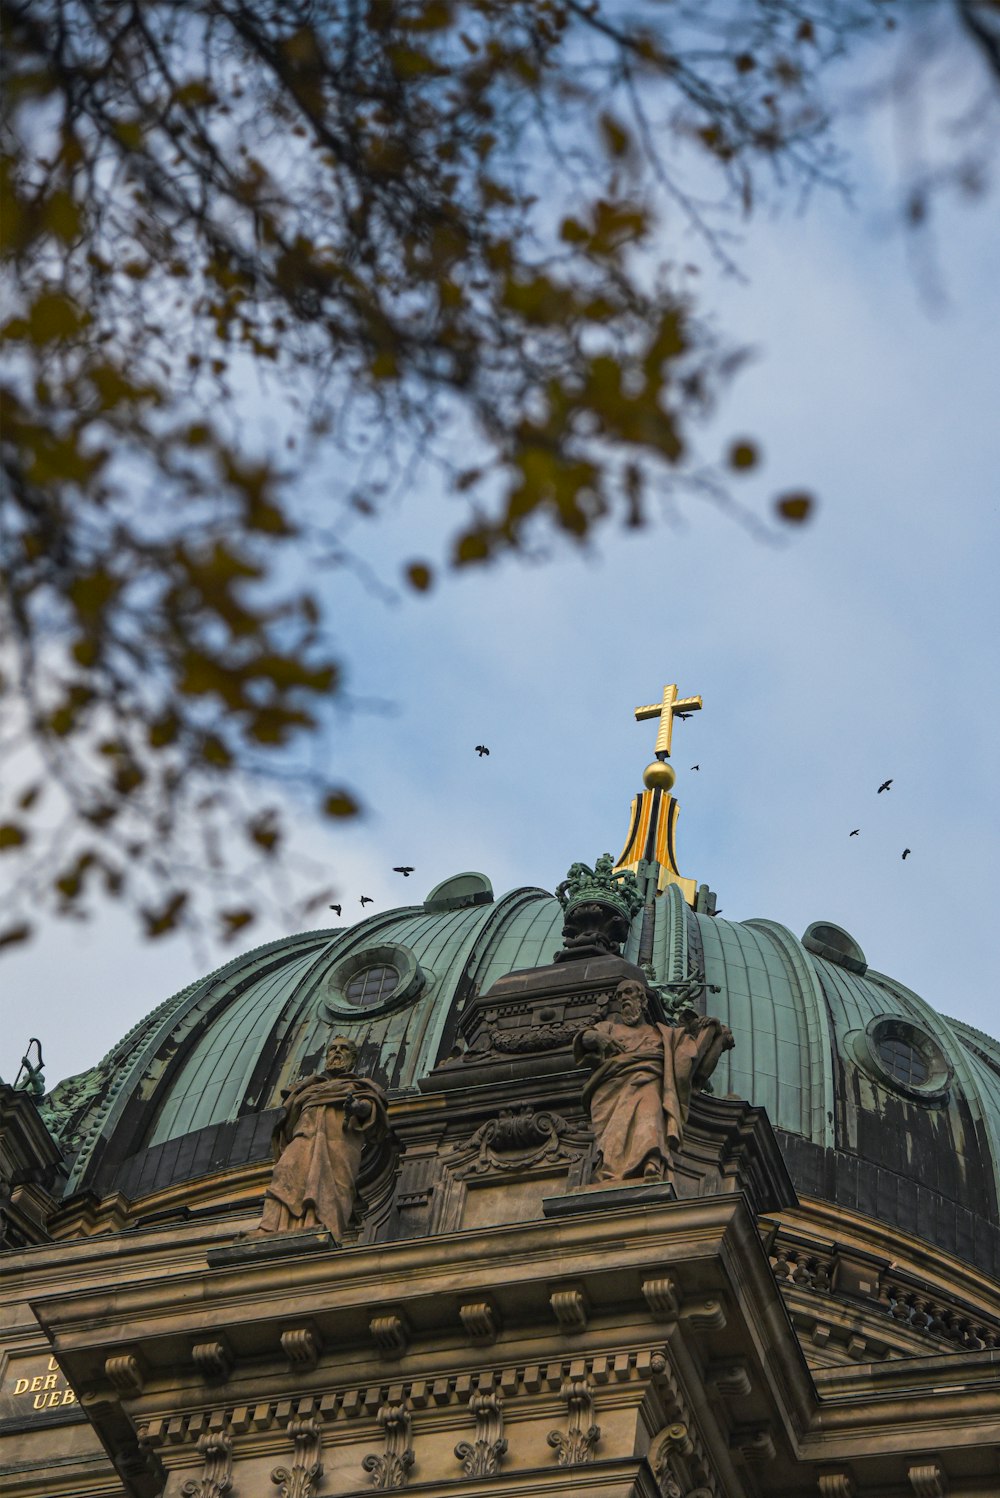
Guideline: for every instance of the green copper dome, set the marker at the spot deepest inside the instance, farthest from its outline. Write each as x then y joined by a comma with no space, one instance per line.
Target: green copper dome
879,1102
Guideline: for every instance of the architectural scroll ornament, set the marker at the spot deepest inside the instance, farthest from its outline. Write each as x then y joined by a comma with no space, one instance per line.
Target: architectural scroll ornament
673,1441
301,1480
515,1140
483,1456
575,1445
391,1468
216,1450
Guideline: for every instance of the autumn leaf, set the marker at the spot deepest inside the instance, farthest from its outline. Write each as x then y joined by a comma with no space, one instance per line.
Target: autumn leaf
340,803
795,507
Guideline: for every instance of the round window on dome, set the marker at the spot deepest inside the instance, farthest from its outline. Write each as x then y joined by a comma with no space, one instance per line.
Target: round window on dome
373,978
906,1057
372,984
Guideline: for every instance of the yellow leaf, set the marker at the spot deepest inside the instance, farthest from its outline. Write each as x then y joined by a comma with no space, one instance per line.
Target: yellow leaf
340,804
795,507
14,934
11,836
420,576
743,455
233,921
53,316
158,922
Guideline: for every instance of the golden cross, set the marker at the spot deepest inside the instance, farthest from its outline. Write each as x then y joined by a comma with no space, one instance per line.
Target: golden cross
666,711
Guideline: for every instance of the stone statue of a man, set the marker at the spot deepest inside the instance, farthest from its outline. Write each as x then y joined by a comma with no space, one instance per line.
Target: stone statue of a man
318,1143
640,1091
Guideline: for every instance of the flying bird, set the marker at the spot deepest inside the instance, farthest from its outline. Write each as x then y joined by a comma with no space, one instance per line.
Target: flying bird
481,749
367,900
683,716
696,767
884,786
405,869
336,908
906,852
855,832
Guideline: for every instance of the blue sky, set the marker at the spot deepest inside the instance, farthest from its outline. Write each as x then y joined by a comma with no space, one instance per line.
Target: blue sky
863,648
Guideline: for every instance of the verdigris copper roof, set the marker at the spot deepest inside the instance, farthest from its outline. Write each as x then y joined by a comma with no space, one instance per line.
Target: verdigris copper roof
879,1102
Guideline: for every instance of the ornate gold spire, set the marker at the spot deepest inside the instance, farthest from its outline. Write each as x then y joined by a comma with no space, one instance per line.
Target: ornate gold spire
652,831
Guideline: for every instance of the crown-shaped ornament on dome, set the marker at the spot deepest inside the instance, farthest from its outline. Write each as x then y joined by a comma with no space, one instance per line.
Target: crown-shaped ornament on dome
599,904
602,882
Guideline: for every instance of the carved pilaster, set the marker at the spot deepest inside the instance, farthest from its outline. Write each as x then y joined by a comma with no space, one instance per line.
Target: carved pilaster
390,1468
483,1456
301,1480
216,1450
575,1446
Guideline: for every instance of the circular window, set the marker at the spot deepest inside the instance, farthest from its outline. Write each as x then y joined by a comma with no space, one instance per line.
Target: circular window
373,977
372,985
903,1060
906,1057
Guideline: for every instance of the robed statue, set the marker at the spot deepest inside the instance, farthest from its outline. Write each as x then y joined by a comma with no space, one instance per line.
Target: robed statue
639,1092
318,1142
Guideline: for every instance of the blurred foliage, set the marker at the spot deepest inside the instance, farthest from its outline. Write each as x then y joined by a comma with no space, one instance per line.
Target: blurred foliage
423,227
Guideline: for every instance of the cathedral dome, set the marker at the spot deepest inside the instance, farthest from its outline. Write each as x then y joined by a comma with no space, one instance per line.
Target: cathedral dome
880,1104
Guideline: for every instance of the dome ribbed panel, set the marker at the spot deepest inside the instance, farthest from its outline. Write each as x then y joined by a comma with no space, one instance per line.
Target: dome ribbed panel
215,1075
531,938
763,1004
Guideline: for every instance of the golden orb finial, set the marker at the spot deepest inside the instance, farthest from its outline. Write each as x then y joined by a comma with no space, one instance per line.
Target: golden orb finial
658,776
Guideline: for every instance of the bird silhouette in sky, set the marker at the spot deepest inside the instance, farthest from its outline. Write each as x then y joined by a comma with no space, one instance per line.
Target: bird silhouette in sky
855,832
406,869
481,749
336,908
696,767
906,852
683,716
884,786
367,900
